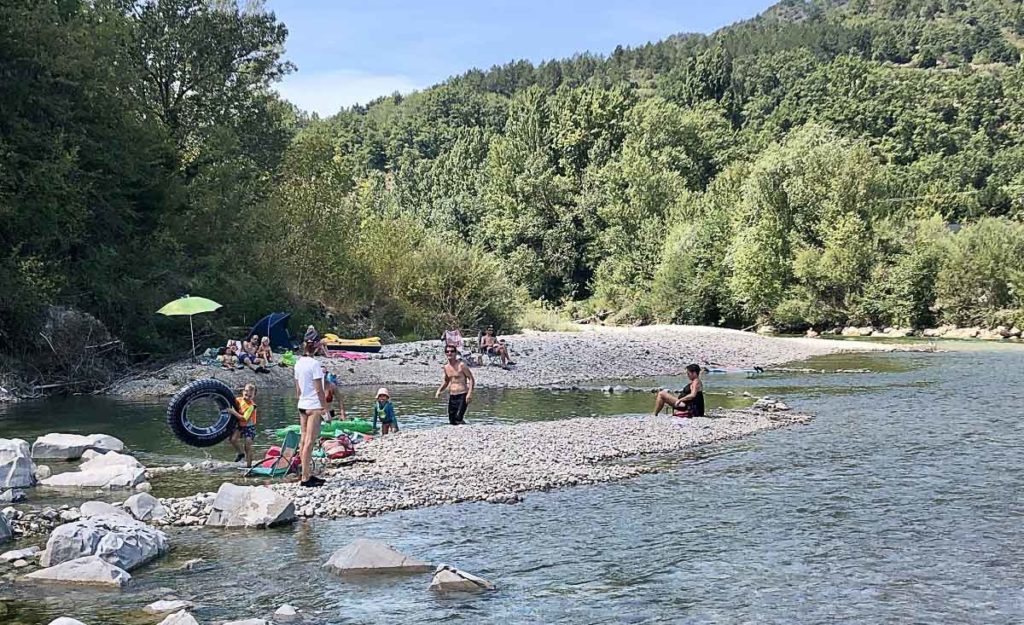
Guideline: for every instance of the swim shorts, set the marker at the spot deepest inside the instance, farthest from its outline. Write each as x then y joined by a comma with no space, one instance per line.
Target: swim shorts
248,431
457,409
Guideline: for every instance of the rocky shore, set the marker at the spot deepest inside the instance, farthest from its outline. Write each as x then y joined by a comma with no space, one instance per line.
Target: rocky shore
543,359
498,463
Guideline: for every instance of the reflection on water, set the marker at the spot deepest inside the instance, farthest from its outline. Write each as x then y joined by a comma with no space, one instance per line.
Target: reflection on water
900,503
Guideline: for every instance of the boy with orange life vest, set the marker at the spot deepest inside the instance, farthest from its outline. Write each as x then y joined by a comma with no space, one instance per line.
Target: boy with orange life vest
246,413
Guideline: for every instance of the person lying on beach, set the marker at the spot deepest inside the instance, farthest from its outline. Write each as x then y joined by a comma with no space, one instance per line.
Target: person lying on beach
690,404
245,412
458,379
385,411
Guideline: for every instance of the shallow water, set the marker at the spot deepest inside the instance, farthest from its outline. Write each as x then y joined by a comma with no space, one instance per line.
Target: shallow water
901,503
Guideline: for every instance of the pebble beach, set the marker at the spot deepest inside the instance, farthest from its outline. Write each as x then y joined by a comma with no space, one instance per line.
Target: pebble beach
542,359
499,463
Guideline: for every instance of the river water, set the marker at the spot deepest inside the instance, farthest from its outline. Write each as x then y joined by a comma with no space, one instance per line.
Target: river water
900,503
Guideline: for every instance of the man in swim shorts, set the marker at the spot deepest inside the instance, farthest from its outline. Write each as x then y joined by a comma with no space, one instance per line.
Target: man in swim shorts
458,379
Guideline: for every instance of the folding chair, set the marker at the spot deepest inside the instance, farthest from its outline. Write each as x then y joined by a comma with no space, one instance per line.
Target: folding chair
283,463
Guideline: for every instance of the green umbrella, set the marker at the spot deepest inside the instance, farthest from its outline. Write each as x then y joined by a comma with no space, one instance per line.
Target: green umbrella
189,306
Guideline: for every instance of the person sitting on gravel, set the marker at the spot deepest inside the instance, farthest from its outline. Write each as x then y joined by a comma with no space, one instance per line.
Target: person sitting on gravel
245,412
229,359
385,411
247,356
689,405
264,352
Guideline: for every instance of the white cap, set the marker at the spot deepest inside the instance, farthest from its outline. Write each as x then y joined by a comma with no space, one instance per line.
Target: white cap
383,391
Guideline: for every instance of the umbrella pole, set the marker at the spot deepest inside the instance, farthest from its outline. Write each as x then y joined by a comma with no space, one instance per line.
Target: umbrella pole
193,333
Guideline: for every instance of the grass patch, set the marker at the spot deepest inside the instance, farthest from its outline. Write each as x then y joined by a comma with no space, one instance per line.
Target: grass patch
536,317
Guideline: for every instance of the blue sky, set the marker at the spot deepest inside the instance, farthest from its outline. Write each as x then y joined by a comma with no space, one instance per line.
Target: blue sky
350,51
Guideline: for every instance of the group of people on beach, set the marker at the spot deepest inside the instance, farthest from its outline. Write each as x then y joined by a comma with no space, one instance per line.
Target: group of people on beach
254,353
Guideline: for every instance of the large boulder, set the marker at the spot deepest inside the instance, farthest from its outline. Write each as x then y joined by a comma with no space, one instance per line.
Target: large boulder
120,540
249,506
450,579
6,533
145,507
962,333
111,470
90,570
90,509
181,617
17,470
371,556
72,446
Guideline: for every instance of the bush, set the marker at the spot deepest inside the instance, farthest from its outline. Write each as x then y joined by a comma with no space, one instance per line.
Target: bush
536,317
981,272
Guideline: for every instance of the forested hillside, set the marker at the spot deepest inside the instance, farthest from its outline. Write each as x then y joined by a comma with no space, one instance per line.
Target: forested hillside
826,162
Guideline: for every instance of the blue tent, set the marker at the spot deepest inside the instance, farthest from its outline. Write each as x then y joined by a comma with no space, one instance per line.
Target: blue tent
274,325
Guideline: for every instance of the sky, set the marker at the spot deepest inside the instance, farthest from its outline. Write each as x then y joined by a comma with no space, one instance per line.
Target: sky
352,51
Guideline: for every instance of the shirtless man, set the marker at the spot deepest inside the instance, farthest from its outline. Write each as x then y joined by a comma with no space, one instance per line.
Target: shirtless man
458,379
491,345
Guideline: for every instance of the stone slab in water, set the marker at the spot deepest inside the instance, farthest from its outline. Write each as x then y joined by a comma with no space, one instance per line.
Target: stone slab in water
163,607
371,556
66,621
91,509
111,470
72,446
90,570
120,540
450,579
17,470
20,554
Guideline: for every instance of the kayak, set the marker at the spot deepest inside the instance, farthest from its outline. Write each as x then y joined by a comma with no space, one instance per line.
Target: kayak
750,370
333,428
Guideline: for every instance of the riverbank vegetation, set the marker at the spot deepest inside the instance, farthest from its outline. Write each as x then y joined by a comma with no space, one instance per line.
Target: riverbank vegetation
825,163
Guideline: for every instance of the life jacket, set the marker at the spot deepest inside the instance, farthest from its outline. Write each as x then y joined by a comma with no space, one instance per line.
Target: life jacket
247,409
380,413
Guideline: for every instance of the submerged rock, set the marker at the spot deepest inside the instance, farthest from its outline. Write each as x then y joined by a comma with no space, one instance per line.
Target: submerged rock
249,506
181,617
450,579
20,554
119,540
163,607
286,614
90,570
371,556
13,495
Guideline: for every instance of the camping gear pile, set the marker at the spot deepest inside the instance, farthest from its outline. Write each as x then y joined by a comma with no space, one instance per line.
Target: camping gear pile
338,439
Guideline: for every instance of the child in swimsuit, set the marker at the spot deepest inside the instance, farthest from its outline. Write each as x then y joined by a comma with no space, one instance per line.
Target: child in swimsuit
246,413
385,412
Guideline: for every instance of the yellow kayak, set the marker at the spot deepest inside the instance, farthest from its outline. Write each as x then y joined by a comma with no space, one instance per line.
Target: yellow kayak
368,344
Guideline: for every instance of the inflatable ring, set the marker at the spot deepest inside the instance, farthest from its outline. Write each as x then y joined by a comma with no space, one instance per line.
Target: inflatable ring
201,391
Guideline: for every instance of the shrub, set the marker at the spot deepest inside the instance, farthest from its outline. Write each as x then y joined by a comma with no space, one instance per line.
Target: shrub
981,272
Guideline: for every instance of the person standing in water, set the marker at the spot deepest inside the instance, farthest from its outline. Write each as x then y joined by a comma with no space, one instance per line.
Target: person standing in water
688,405
312,404
458,379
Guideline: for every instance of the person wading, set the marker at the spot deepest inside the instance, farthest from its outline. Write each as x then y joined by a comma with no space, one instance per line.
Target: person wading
458,379
312,404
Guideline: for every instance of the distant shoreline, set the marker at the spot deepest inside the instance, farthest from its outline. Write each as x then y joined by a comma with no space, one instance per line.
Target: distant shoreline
543,359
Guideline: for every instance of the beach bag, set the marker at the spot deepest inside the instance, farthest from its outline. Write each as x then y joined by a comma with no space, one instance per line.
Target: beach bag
341,447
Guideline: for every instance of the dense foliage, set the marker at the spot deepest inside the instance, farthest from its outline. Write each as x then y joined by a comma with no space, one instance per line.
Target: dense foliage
827,162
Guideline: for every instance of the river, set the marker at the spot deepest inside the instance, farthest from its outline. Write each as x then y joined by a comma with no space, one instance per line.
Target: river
900,503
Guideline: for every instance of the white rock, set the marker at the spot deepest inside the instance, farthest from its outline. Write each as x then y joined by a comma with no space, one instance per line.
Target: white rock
962,333
249,506
89,454
66,621
144,487
91,570
70,516
43,472
248,621
285,614
17,470
163,607
119,540
19,564
180,618
6,533
72,446
13,495
371,556
20,554
145,507
90,509
111,470
450,579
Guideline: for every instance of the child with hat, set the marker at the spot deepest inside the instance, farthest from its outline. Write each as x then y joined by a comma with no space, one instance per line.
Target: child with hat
385,411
